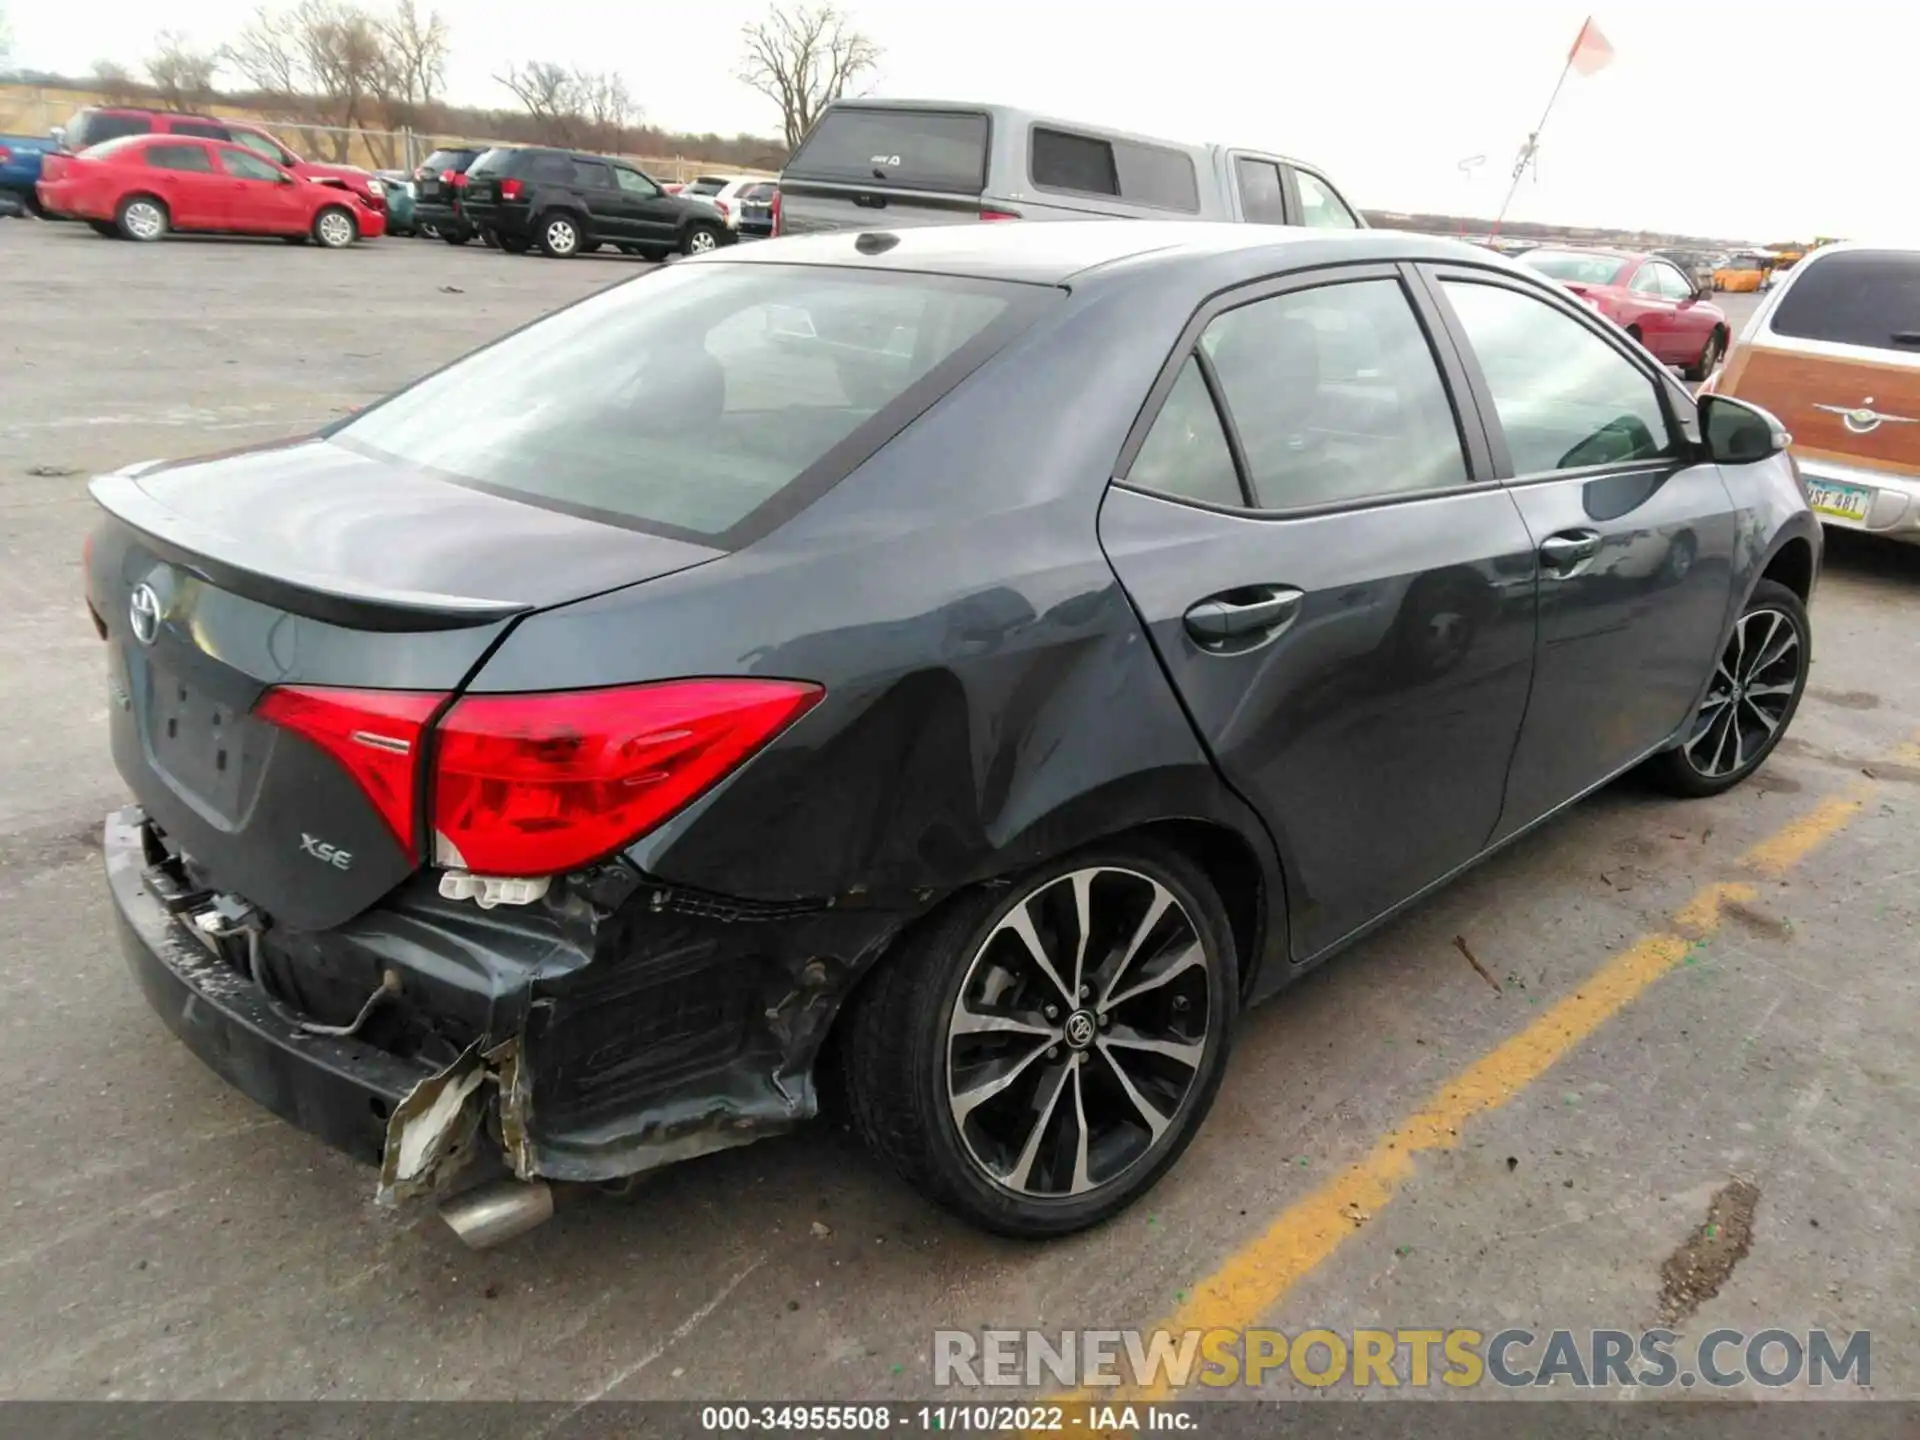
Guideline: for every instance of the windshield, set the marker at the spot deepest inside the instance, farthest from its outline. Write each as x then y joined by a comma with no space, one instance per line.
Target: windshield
1746,262
689,399
1855,297
1574,266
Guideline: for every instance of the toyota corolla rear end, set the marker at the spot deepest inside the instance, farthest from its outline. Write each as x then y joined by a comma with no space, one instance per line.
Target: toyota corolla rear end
379,873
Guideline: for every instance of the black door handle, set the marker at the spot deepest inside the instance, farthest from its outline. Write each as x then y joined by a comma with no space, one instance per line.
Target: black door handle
1258,612
1570,548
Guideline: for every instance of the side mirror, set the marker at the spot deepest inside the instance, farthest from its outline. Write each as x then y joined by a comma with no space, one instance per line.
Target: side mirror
1736,433
58,134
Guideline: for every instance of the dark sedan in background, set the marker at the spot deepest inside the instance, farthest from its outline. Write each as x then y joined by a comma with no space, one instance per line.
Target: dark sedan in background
969,663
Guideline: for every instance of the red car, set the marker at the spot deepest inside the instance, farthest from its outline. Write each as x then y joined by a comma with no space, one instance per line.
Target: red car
95,124
142,186
1646,296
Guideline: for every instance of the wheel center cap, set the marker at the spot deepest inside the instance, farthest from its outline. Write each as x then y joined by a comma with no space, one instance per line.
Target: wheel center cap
1081,1027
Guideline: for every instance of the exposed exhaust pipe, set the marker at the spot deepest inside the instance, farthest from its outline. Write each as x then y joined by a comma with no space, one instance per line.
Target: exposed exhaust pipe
495,1213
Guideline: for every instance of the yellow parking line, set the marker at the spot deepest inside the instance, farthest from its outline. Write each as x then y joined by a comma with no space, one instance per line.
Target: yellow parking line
1257,1276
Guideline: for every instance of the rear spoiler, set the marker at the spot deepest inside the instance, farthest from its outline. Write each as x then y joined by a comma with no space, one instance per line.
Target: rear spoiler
225,561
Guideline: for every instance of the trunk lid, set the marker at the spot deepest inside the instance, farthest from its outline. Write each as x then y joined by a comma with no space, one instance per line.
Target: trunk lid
878,165
311,565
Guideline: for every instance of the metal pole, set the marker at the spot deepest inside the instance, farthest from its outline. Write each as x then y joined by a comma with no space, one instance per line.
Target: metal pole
1532,146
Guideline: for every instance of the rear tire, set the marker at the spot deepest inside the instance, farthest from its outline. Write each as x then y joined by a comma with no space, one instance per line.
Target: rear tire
560,235
334,228
455,237
1750,702
514,244
143,218
962,1006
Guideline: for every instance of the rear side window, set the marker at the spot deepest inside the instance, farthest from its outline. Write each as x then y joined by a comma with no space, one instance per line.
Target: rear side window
591,175
91,127
692,399
906,149
204,129
180,157
1261,198
1185,455
1855,297
1124,169
1336,396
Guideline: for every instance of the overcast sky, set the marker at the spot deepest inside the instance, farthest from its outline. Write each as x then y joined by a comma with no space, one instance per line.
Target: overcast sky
1759,120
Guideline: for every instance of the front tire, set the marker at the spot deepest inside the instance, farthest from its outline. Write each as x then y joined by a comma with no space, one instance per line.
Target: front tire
334,228
142,218
1750,702
1035,1057
700,239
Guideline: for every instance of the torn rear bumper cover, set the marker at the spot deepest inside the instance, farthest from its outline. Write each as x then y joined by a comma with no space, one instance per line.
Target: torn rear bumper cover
569,1078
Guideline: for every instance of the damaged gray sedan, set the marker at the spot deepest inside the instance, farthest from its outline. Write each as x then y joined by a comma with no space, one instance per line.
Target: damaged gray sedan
972,663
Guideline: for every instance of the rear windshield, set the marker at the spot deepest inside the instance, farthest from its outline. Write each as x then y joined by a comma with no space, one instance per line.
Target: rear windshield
451,160
1855,297
91,127
1571,265
705,185
906,149
691,399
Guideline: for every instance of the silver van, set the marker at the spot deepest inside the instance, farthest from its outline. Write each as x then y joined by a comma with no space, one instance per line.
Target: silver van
892,163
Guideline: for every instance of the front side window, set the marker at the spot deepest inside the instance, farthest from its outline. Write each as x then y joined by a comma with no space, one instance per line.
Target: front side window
1565,397
1320,208
1336,396
180,157
1673,284
1261,197
247,166
691,398
1185,455
265,148
633,182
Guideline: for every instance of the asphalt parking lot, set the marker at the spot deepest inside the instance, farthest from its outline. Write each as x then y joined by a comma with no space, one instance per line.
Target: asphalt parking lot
1511,1107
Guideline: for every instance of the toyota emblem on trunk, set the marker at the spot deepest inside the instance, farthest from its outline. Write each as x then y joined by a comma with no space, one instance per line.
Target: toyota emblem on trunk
143,612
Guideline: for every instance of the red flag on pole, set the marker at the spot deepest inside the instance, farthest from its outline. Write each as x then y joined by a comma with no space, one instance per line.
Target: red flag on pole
1591,53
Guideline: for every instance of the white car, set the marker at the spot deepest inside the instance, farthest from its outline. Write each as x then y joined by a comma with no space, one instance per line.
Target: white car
722,192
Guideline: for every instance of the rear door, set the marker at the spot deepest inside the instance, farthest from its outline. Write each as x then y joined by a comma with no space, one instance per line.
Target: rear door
865,166
1635,540
1340,590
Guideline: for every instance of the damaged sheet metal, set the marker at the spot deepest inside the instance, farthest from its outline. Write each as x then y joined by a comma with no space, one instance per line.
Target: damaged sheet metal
430,1135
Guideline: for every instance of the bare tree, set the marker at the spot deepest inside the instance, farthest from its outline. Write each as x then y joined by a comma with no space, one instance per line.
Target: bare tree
602,99
268,57
417,49
803,56
181,75
114,81
548,92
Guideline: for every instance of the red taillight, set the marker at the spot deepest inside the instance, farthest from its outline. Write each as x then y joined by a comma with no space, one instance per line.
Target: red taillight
456,178
999,215
5,154
721,206
510,189
775,207
536,784
374,734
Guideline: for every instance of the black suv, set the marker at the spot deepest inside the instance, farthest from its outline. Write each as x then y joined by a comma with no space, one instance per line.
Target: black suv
567,203
438,186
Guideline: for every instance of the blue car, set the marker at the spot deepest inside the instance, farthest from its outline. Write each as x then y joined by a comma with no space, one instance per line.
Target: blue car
20,157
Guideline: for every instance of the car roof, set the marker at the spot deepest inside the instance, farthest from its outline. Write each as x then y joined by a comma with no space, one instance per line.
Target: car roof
1049,253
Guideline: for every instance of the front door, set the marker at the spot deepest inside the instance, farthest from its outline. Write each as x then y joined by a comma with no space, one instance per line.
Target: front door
260,197
646,211
1340,591
1635,540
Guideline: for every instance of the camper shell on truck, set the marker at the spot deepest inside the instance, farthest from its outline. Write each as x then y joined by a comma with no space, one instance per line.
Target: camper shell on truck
885,164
